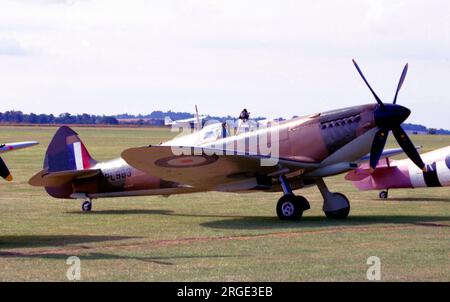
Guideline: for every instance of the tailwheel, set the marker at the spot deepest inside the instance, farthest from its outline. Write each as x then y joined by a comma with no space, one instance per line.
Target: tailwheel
383,194
291,207
86,206
341,213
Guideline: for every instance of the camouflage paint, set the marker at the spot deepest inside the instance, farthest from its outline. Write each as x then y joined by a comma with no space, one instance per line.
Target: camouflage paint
309,139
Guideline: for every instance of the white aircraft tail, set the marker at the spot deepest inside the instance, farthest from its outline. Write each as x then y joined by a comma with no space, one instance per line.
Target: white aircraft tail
168,121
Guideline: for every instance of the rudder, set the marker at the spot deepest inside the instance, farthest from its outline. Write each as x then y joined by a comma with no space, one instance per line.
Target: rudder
67,152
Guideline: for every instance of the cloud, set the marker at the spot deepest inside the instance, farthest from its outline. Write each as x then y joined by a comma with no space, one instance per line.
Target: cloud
109,56
11,47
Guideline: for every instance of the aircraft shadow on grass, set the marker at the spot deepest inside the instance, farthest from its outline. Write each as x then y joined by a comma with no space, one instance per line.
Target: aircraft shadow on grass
125,212
263,223
149,212
53,240
413,199
161,260
270,222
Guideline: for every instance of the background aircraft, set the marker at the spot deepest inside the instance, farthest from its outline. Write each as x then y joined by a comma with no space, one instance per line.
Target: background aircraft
392,174
194,122
4,171
310,148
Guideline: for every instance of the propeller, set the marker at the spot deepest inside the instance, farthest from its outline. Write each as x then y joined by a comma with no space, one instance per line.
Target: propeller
4,171
388,117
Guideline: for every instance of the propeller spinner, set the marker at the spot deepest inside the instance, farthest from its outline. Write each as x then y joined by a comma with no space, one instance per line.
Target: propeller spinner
388,117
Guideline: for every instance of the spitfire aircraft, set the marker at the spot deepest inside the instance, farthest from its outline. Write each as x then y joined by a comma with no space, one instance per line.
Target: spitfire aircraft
194,122
392,174
169,122
308,149
4,171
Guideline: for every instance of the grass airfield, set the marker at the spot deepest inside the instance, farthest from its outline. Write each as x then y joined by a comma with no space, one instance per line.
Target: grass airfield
213,236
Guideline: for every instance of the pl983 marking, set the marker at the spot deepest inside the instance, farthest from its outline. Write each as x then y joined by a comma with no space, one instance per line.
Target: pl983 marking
118,175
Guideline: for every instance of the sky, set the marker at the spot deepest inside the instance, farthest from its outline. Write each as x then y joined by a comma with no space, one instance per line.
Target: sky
275,58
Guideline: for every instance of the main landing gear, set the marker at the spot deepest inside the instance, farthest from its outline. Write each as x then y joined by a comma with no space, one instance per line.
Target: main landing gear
383,194
87,205
290,206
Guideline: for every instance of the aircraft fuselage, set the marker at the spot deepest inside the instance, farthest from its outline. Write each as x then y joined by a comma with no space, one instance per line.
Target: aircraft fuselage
333,136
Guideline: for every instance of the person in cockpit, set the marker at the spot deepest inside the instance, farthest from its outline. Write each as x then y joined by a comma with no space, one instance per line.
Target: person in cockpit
244,116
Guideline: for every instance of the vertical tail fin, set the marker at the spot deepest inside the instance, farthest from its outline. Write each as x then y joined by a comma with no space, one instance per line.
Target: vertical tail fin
67,152
167,121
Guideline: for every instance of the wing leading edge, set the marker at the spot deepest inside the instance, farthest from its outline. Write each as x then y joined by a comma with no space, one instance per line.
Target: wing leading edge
205,168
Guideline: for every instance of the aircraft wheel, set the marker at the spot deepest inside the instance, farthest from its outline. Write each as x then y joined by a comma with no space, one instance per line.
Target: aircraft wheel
291,207
383,195
340,213
86,206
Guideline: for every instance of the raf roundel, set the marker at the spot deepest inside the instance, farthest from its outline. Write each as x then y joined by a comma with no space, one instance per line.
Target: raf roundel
186,161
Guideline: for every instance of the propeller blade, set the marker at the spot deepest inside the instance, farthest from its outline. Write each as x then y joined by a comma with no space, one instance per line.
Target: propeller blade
367,83
4,171
400,82
409,148
379,141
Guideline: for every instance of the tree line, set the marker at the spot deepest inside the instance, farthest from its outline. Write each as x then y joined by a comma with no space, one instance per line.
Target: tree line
18,117
155,118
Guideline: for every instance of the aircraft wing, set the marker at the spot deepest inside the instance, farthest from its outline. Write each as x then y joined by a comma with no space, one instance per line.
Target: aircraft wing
386,153
360,174
364,170
4,171
207,169
168,121
54,179
15,146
